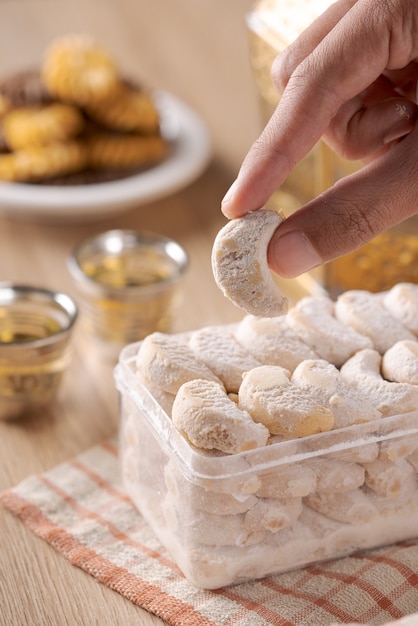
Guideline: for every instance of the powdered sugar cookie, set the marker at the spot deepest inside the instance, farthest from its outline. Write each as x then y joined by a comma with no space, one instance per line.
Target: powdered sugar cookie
400,362
413,459
313,320
203,412
117,151
164,398
366,313
391,479
363,372
343,450
333,476
350,506
348,405
239,263
205,499
209,529
272,399
228,359
288,481
169,362
222,503
272,514
272,341
399,448
402,303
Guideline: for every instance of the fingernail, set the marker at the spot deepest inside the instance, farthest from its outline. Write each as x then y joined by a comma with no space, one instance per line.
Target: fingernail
292,254
228,197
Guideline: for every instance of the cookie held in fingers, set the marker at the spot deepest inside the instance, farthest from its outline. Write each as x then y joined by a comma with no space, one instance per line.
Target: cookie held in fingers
239,263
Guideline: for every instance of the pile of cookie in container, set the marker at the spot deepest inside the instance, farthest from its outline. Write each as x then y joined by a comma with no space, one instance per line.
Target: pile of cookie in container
277,442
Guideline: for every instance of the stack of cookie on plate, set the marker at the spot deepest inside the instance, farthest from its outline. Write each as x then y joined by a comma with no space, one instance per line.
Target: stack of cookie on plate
76,119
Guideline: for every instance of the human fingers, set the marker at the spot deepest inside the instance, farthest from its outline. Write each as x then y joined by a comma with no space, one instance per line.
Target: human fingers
351,213
287,61
369,122
359,131
382,113
405,80
350,58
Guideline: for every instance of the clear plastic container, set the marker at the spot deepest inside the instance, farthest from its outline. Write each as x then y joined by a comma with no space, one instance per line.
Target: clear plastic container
226,519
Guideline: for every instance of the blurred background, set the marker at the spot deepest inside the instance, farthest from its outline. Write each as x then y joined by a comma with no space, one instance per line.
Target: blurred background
140,37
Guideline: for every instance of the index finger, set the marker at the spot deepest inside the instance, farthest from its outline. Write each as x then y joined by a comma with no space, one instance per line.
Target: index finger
287,61
349,58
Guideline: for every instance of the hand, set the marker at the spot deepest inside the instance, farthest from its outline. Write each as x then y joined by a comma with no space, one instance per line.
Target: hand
350,78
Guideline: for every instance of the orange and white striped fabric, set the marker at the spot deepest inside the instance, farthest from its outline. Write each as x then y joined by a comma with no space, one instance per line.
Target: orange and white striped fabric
80,509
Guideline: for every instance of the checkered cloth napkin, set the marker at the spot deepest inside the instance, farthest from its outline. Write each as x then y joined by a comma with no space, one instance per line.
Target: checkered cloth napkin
81,510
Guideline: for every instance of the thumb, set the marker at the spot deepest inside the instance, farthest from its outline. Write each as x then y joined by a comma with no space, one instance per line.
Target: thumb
350,213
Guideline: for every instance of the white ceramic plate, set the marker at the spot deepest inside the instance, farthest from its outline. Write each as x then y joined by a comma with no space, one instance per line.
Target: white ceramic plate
190,156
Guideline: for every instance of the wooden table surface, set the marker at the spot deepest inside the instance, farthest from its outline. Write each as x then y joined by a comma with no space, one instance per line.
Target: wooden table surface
199,52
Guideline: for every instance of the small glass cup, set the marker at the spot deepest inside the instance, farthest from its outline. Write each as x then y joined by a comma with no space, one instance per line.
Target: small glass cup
35,330
128,283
